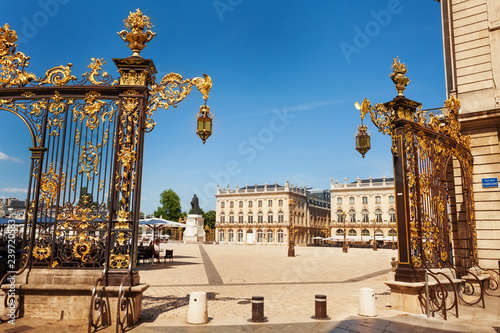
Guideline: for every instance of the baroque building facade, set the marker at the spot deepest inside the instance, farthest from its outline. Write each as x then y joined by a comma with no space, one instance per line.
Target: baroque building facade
370,209
471,35
262,214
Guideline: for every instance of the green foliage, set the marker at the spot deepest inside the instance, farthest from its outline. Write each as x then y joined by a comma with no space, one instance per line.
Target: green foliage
209,219
170,208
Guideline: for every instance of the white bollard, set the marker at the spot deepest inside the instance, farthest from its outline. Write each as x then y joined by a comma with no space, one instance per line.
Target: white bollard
197,311
367,305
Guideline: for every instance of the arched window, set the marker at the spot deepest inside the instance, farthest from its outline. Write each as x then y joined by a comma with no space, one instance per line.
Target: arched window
231,235
392,215
280,217
352,215
378,215
392,232
269,236
352,232
250,217
240,235
270,217
231,217
221,235
379,233
365,232
259,236
366,215
339,216
280,236
240,218
260,217
339,232
222,218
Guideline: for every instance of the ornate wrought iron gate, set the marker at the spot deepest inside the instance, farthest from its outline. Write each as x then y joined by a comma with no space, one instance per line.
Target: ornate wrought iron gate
433,188
86,160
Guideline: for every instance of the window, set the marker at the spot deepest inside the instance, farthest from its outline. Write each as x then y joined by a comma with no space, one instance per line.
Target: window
221,235
241,204
231,235
250,204
392,232
250,217
269,236
365,200
222,218
378,215
339,200
378,200
280,217
352,232
352,215
259,236
260,217
339,216
231,218
339,232
240,218
391,200
366,215
379,233
365,232
240,235
392,215
222,204
269,203
351,200
280,236
148,230
280,202
260,203
270,217
231,204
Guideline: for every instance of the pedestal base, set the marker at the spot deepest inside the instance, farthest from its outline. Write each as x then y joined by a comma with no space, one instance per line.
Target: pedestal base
66,295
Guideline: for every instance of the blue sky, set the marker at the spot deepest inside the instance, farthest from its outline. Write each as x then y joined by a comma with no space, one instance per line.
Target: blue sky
285,73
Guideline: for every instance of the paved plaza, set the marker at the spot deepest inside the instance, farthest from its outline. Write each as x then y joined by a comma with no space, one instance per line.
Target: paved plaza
232,274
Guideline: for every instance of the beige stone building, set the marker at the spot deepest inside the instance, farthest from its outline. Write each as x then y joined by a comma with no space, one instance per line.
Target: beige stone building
261,214
471,35
370,209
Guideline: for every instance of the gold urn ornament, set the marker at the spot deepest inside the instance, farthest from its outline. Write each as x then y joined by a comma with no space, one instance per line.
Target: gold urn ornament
137,38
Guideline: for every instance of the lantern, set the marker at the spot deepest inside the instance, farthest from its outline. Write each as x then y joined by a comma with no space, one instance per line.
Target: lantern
204,120
362,140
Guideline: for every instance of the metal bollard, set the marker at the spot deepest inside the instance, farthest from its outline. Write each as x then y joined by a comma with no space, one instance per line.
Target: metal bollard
258,310
320,307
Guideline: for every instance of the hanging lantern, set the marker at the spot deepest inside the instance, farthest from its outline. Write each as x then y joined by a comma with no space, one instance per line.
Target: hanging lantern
204,119
362,140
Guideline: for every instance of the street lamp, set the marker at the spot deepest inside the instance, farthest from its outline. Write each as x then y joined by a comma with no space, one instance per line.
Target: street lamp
344,246
374,239
291,232
362,137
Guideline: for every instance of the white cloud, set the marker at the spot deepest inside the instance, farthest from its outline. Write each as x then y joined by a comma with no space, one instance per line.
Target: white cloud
4,156
14,190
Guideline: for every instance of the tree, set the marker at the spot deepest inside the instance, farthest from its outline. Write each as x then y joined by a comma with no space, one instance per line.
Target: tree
210,219
170,208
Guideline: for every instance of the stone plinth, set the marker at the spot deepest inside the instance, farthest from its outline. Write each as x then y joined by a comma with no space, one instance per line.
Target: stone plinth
194,231
65,294
404,295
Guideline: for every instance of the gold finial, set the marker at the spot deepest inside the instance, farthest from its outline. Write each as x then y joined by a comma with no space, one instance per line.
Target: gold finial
137,38
398,76
8,40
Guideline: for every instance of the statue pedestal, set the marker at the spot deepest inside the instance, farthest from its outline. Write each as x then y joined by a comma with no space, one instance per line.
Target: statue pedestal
194,231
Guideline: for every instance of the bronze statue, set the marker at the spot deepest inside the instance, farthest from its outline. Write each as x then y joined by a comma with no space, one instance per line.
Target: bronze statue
195,205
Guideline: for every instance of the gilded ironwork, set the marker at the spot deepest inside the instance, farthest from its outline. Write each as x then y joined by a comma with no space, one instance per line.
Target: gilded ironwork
119,260
138,37
398,76
58,76
51,184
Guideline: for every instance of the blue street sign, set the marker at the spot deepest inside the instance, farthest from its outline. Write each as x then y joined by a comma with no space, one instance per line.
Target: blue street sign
490,182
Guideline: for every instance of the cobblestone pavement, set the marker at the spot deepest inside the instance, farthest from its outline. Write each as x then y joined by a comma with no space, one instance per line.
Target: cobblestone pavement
232,274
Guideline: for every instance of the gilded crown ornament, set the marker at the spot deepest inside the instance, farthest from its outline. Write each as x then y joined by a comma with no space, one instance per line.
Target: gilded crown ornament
8,39
398,76
137,38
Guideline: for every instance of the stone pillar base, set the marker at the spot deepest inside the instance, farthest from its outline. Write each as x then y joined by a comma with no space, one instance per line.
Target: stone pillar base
47,297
